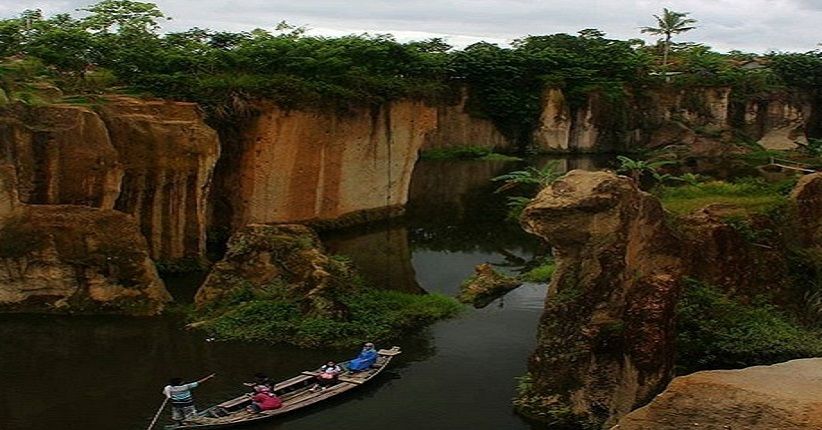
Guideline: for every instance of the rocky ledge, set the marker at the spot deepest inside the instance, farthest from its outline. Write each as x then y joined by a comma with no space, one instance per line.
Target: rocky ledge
785,396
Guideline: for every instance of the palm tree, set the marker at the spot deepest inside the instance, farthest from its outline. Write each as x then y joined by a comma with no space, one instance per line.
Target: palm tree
669,23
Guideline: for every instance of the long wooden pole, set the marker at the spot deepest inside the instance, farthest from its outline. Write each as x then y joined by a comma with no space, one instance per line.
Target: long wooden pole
157,415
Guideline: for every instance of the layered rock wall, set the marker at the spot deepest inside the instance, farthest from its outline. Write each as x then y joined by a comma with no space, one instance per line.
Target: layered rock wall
151,159
290,166
73,259
778,121
457,127
169,154
62,154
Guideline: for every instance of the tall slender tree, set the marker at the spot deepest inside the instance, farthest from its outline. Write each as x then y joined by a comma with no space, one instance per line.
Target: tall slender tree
669,24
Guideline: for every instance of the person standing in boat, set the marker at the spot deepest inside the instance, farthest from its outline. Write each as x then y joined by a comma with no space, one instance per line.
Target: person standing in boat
182,403
367,357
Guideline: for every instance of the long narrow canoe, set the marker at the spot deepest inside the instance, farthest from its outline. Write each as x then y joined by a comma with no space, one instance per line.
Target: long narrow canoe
295,393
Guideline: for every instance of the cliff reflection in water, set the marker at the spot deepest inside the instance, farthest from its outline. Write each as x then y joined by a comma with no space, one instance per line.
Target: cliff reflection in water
454,220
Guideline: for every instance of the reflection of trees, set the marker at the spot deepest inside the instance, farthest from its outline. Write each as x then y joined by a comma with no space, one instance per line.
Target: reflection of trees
453,207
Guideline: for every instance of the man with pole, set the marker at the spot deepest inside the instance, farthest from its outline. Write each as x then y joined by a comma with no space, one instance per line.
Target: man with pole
182,403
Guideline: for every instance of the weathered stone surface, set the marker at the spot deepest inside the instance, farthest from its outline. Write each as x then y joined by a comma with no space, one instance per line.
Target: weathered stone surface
456,127
807,196
554,129
62,155
296,166
717,253
73,259
9,199
485,286
287,259
169,154
778,121
785,396
605,342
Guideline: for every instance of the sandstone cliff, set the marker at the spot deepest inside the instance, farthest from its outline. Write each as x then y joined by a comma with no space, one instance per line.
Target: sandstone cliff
457,127
151,159
784,396
807,199
169,154
298,166
73,259
663,116
605,340
62,154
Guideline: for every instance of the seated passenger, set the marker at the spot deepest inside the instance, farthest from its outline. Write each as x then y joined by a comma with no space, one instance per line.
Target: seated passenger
260,380
363,362
264,400
328,375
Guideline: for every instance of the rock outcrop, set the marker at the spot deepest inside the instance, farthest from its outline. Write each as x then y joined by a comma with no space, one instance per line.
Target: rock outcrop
285,260
778,121
73,259
152,159
169,154
786,396
807,198
606,339
485,286
62,155
300,166
718,253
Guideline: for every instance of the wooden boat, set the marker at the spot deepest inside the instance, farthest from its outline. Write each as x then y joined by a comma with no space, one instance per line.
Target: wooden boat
296,393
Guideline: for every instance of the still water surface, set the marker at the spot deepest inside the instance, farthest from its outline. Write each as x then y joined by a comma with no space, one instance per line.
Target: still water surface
106,373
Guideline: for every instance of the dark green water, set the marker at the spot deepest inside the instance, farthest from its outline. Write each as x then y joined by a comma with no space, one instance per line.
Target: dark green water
106,373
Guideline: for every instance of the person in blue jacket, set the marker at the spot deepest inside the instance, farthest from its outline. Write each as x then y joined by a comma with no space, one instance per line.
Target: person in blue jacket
367,357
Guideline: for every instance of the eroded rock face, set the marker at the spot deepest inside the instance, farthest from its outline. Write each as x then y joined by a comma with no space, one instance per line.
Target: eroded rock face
73,259
807,196
784,396
717,253
457,127
297,166
286,258
778,121
554,129
606,339
62,154
169,154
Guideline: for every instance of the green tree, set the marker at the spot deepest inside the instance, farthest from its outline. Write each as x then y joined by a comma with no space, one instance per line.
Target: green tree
123,16
669,24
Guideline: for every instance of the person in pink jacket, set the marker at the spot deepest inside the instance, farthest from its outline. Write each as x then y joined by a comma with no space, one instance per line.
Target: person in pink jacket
264,400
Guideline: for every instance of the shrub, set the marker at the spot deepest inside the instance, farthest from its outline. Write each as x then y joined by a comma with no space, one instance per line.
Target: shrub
373,315
751,195
718,331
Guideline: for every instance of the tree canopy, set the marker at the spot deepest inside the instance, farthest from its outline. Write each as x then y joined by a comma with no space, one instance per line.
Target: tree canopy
118,43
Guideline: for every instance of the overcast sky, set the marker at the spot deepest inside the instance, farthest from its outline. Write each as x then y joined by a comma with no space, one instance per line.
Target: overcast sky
746,25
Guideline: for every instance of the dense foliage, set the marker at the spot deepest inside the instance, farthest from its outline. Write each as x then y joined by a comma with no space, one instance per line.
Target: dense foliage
750,195
374,315
718,331
117,43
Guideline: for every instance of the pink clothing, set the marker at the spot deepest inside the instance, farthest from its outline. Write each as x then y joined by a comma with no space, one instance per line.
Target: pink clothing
267,401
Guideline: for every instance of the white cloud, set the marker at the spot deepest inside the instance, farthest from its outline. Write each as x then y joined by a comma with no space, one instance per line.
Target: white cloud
747,25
